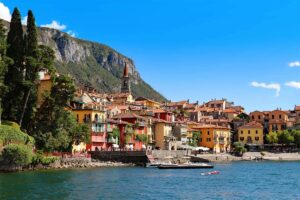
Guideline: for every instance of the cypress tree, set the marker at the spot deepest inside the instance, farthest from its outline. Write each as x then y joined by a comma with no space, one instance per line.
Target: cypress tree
3,64
31,76
15,74
31,39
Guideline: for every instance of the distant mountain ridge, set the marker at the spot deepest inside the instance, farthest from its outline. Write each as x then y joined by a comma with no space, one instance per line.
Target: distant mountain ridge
94,64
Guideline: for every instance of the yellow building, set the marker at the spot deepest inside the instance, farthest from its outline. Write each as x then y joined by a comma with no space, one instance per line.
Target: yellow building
251,133
163,135
94,115
216,138
148,102
44,86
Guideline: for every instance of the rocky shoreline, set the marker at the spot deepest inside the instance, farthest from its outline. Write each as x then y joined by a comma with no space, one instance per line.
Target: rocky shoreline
70,163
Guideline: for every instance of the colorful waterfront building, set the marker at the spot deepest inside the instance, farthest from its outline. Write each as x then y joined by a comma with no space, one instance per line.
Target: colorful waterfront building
148,102
216,138
251,133
129,134
94,115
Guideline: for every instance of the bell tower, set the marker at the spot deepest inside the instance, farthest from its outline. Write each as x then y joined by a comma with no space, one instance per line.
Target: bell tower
125,88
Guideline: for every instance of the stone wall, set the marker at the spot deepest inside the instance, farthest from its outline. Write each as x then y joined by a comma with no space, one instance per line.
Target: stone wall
137,157
161,154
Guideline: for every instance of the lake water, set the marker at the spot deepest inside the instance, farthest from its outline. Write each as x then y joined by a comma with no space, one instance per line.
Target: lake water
239,180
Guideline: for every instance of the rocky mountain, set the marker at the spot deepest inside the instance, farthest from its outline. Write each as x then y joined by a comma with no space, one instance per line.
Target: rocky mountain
94,64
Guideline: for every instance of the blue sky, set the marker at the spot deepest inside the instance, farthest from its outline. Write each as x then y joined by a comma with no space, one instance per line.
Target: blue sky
194,49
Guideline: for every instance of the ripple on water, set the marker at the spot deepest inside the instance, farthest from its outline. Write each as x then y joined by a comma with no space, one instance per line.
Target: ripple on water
240,180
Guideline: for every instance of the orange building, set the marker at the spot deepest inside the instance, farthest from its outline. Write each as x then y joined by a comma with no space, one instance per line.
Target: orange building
217,138
278,120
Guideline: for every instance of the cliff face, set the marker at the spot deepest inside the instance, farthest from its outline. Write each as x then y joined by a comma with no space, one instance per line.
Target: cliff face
94,64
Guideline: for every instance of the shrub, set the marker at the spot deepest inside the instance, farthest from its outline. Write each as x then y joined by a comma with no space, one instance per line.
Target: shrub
11,134
17,154
142,138
39,158
12,124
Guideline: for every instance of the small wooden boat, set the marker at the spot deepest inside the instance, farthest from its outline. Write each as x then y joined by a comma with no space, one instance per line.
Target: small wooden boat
185,166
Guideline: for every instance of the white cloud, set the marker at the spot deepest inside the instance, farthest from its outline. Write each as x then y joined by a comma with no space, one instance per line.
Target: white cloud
71,33
55,25
4,12
24,20
271,86
294,64
293,84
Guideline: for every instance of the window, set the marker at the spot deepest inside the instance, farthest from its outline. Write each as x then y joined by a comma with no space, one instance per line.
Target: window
252,117
257,138
279,116
242,138
258,116
273,116
256,131
249,131
249,139
242,132
207,132
77,118
208,139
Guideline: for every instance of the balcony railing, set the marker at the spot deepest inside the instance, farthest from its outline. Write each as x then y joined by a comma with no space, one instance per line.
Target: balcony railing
101,121
98,138
109,129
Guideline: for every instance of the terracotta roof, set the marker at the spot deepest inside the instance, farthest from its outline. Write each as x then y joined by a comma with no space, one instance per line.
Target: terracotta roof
179,103
112,121
297,108
216,101
119,95
127,116
229,110
210,126
121,107
160,111
252,124
146,99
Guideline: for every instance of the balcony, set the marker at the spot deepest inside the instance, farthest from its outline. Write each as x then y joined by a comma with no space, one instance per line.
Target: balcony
109,129
141,124
111,140
87,120
98,138
221,141
99,121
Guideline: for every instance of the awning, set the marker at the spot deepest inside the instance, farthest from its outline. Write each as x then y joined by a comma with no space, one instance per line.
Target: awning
202,148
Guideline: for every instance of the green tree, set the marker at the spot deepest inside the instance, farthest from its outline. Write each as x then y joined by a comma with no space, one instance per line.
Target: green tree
272,138
4,61
296,135
32,66
285,137
196,135
14,76
31,39
54,127
142,138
